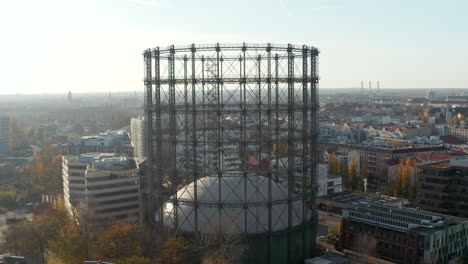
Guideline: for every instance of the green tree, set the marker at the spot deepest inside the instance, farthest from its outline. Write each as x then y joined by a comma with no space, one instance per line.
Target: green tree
7,197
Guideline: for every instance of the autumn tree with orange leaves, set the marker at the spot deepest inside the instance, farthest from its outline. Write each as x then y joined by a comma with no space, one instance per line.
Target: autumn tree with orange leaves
402,186
333,164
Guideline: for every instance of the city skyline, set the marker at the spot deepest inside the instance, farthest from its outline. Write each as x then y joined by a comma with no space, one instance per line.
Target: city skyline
95,46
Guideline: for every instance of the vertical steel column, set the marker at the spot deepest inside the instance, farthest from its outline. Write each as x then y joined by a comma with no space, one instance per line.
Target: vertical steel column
259,109
244,144
173,134
259,129
291,145
305,146
148,79
314,137
205,160
186,124
194,138
269,145
219,146
158,157
277,122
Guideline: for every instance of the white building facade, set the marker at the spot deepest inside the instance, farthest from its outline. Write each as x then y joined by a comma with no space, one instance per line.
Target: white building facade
106,142
138,135
106,184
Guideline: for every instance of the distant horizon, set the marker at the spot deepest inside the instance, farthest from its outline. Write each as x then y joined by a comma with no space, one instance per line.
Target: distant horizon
89,46
142,91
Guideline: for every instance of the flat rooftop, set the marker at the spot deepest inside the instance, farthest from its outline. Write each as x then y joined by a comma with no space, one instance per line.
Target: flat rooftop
105,161
402,217
352,198
454,162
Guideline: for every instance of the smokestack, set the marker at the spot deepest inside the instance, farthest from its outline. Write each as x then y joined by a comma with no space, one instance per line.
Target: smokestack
362,86
370,85
378,86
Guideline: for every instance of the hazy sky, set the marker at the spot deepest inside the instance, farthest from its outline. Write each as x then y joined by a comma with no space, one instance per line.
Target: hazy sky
95,45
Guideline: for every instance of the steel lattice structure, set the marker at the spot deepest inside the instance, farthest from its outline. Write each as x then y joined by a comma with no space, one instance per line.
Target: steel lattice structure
232,127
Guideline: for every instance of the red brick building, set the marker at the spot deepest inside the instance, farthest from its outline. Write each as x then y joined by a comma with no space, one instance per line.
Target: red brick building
404,235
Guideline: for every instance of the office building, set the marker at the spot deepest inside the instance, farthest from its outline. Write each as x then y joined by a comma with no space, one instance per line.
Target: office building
138,135
106,142
404,235
444,186
106,184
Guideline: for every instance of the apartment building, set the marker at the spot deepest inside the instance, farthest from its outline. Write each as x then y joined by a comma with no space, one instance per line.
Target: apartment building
458,132
374,158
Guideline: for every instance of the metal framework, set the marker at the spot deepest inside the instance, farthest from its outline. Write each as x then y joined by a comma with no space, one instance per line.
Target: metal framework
233,110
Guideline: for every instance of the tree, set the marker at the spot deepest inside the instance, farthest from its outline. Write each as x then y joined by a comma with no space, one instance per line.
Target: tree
343,172
31,239
7,197
414,188
353,174
423,117
117,242
42,176
54,175
175,251
402,186
69,245
399,180
136,260
333,164
17,140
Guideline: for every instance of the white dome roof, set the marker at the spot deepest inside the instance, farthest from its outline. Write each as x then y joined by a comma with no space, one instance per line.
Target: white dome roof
236,204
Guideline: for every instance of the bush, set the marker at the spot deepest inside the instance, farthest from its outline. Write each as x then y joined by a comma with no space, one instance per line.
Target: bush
3,210
8,197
